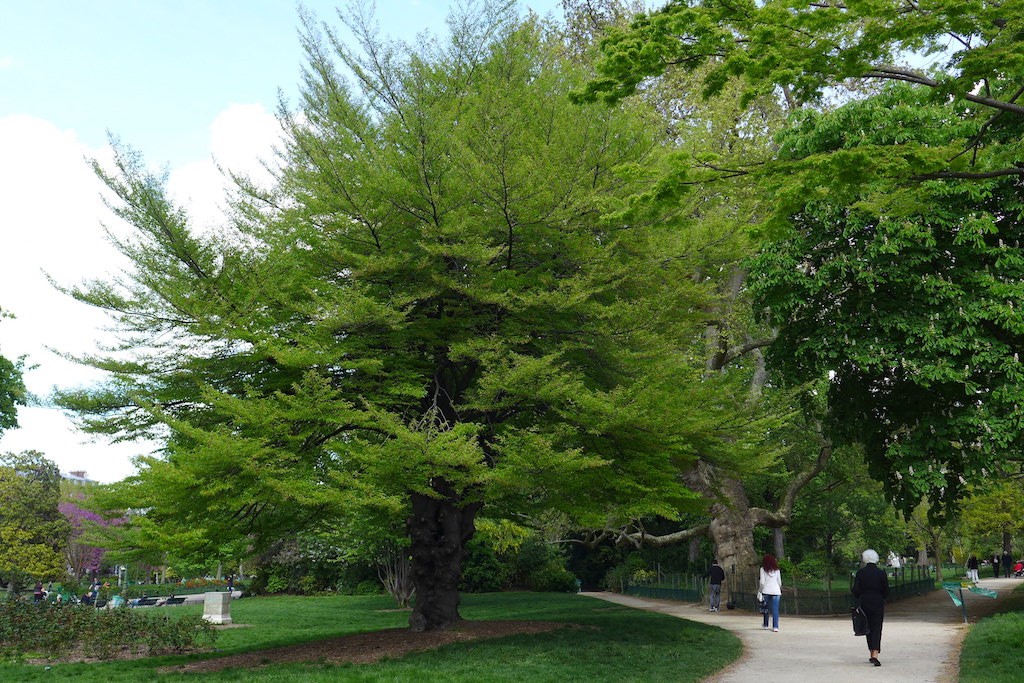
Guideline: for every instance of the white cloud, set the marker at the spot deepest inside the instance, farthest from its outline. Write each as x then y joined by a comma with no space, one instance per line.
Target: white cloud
6,62
241,138
50,222
48,430
51,219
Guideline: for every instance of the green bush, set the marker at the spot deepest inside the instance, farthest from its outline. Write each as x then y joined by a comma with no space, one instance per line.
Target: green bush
533,555
308,585
276,584
54,630
552,578
369,588
482,571
619,577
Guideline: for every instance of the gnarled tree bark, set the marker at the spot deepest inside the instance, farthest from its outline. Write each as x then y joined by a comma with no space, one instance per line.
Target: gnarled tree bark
439,527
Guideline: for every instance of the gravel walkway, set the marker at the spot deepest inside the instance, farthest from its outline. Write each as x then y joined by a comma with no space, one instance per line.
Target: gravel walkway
920,640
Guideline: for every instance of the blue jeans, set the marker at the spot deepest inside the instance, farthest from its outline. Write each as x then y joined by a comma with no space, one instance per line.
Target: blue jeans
773,609
715,593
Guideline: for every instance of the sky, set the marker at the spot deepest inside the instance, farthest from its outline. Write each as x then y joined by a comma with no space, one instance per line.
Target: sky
190,84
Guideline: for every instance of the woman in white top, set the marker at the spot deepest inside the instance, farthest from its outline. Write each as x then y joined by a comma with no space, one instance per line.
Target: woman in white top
770,589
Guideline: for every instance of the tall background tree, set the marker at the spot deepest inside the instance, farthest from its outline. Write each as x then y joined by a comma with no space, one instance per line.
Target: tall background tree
878,206
33,532
705,138
451,299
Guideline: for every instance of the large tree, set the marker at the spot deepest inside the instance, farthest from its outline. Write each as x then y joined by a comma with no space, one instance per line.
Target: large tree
449,300
909,297
705,138
893,252
33,532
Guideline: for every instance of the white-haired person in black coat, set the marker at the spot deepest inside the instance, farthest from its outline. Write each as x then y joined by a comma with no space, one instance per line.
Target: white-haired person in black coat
871,587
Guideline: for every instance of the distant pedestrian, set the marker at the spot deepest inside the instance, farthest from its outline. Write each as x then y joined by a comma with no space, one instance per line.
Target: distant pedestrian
972,568
37,593
1007,564
715,576
231,583
770,589
995,565
871,588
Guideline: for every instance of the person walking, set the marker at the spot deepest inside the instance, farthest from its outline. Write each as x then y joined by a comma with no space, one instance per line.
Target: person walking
972,568
769,589
1007,564
715,576
995,565
871,588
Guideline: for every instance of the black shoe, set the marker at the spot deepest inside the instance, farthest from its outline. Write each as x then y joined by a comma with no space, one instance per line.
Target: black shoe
875,661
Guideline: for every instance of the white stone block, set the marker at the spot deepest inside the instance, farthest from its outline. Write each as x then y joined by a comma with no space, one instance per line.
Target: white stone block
217,608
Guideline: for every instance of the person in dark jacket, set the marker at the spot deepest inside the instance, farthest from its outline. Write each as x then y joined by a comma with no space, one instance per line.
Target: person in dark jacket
1007,564
871,587
972,569
715,576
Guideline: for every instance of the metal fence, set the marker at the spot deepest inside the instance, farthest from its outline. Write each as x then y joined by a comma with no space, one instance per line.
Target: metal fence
799,596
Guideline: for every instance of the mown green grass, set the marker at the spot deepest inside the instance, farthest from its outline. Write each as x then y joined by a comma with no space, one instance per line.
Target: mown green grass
609,642
993,650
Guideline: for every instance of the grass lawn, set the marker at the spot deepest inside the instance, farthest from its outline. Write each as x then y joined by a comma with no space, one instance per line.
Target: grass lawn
613,643
993,650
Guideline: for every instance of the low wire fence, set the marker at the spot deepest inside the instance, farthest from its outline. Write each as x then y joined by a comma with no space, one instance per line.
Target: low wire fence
800,595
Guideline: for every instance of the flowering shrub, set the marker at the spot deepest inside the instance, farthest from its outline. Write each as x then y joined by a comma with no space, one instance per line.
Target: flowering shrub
57,631
83,559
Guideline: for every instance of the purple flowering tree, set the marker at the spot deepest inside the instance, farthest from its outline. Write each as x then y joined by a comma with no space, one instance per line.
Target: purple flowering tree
83,559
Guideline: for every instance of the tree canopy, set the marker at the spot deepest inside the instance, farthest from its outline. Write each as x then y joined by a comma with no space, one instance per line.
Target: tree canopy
450,299
33,532
909,298
891,252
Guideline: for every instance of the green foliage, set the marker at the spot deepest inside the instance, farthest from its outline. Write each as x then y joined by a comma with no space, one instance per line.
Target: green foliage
482,570
368,587
841,512
276,584
908,301
825,45
452,293
12,392
552,578
53,631
33,532
12,388
994,509
895,258
619,577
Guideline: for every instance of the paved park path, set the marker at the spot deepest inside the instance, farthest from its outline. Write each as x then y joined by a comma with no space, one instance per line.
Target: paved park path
921,640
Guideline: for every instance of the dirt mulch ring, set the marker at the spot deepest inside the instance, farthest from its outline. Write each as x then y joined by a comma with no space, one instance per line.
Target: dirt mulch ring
367,648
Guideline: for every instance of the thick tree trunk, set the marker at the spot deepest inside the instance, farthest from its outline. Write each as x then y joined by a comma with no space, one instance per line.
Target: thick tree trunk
693,552
732,532
439,528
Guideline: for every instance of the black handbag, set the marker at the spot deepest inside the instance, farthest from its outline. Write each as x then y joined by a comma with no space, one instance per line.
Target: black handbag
762,606
860,621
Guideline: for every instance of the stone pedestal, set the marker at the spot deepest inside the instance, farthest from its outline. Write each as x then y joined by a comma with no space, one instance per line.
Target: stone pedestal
217,608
